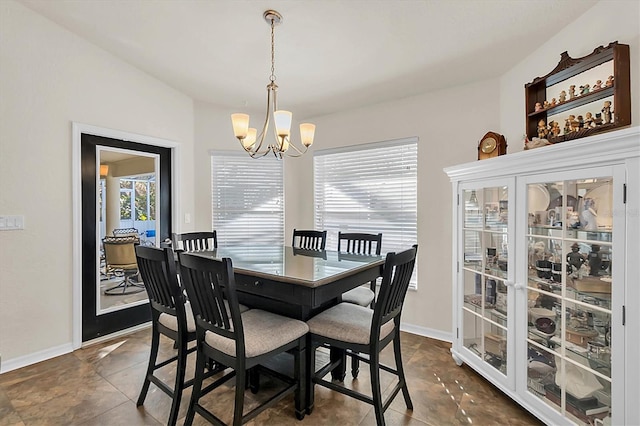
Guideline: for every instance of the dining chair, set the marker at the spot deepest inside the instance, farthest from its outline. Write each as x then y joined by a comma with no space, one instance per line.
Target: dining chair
360,330
366,244
171,316
360,243
309,239
120,257
240,341
195,241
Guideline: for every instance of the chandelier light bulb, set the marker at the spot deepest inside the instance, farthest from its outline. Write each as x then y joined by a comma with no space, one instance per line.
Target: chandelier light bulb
307,131
250,139
283,122
240,124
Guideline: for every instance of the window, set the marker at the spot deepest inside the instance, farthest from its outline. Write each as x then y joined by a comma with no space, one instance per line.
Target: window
369,188
247,199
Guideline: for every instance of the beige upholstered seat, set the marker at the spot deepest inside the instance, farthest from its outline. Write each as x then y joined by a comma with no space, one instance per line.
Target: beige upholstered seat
348,323
362,296
259,336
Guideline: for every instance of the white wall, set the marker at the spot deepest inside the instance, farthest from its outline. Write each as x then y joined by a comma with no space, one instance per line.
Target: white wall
49,78
607,21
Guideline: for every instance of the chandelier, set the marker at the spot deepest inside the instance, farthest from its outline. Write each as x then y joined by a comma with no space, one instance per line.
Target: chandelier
247,136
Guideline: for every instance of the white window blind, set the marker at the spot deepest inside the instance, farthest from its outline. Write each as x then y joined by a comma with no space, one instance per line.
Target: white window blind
247,199
369,188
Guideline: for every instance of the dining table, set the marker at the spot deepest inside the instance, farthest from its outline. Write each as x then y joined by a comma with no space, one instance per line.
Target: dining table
297,283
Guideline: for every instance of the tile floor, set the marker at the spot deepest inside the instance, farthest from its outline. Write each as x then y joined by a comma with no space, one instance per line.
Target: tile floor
99,385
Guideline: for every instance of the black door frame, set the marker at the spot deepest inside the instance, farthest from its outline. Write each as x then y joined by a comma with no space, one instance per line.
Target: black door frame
86,325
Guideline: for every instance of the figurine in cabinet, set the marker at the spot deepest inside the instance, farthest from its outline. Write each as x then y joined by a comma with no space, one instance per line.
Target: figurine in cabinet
598,85
595,261
606,112
575,259
553,102
584,89
580,122
542,129
555,128
589,215
572,91
545,104
609,82
538,107
598,119
562,97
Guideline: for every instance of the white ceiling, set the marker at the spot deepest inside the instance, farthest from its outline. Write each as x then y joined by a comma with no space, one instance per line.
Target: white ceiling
330,55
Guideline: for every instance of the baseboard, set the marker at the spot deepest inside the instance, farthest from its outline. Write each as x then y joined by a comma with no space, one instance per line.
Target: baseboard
24,361
33,358
427,332
117,334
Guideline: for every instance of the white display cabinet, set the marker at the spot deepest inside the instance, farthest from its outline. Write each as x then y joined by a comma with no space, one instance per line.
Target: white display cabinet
546,285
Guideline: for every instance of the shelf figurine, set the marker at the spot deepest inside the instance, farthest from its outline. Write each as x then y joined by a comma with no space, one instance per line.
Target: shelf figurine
542,129
606,112
580,122
567,126
562,97
598,85
572,91
598,119
555,128
609,82
553,102
584,89
538,107
588,121
546,104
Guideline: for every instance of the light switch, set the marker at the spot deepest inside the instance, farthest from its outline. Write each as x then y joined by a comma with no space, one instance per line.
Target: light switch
10,223
187,218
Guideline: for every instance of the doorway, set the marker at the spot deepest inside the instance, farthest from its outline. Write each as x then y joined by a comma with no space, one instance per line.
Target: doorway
124,184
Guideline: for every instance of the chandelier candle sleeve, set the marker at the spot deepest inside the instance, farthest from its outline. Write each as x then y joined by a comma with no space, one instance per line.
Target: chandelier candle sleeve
248,136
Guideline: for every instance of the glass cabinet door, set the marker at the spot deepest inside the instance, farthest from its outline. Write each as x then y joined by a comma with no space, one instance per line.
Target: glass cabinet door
569,281
485,261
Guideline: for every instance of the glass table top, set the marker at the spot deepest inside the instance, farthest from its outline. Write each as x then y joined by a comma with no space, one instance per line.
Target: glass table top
310,268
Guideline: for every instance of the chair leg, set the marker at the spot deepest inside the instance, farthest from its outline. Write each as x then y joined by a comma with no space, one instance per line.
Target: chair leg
238,408
355,367
374,367
397,354
179,384
311,367
153,356
300,377
201,360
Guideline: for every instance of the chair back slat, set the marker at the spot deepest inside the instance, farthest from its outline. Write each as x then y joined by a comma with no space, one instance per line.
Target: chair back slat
360,243
195,241
396,277
158,271
211,289
309,239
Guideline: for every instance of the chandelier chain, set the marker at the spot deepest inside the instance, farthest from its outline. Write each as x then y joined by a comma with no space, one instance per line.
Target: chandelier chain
273,54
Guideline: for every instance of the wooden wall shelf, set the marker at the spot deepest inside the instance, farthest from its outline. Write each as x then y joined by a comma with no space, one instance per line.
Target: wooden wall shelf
569,68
